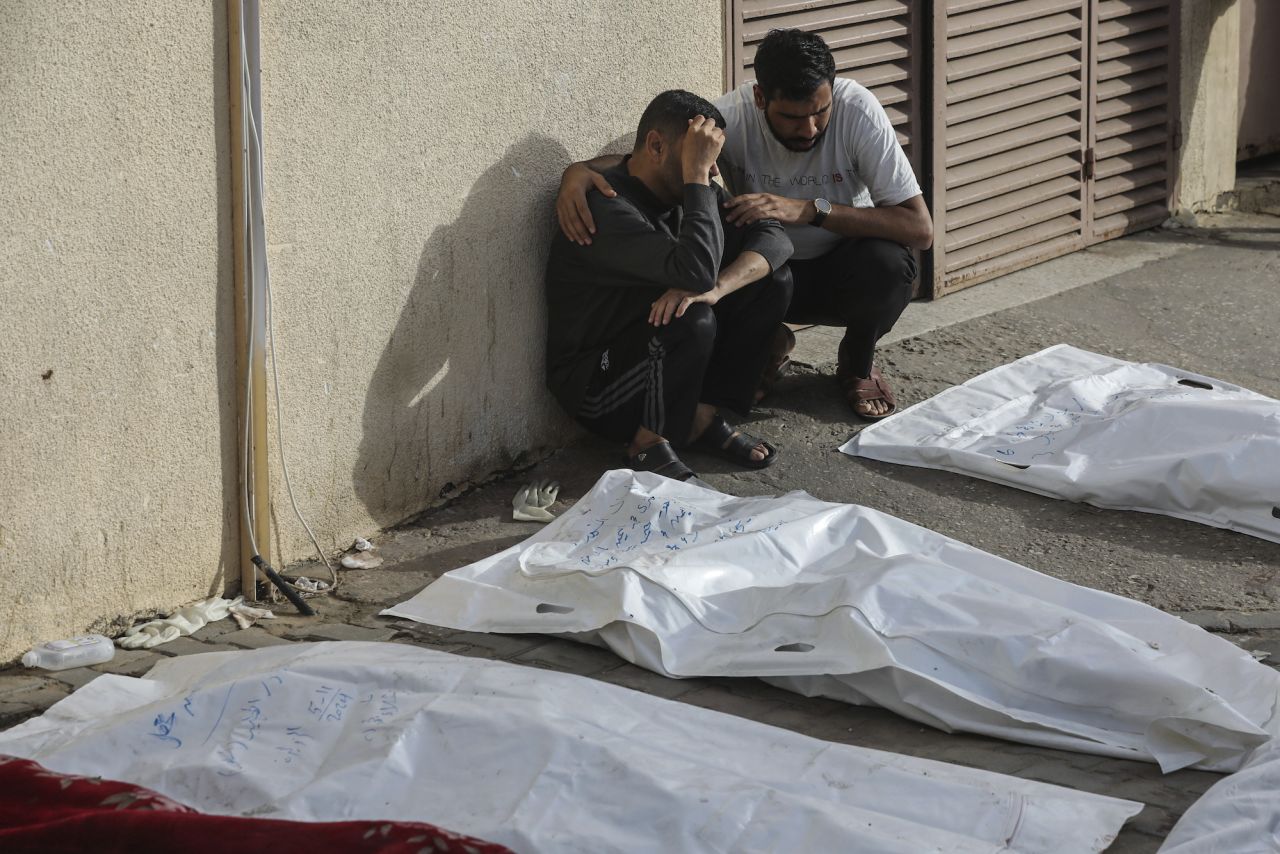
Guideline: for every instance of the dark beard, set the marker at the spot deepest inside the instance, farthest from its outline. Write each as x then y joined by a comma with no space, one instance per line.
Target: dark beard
788,144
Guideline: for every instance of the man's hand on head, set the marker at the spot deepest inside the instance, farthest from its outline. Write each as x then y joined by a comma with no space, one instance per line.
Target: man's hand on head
675,302
753,207
702,144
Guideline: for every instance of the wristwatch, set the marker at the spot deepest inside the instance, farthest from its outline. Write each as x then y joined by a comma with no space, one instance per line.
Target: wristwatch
823,208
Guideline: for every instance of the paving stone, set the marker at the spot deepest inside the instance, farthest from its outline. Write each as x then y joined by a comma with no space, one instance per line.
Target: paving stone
1153,820
1243,622
190,646
76,677
129,662
216,630
499,646
569,657
720,699
1214,621
425,633
18,707
16,681
648,682
12,714
344,632
988,756
253,638
1063,774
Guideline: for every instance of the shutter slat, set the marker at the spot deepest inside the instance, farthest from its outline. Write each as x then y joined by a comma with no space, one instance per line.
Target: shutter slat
1009,202
823,18
1010,180
1129,83
1128,182
1011,13
1131,25
1129,123
1008,243
1110,9
752,9
1130,142
1128,161
1004,79
1010,98
1014,35
990,126
1130,104
1120,224
1125,201
1018,158
1013,139
1130,45
1009,57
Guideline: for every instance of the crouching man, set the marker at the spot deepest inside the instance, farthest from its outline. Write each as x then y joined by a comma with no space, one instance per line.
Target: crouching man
663,321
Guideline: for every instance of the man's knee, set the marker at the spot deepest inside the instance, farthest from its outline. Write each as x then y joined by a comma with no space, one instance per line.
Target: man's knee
697,324
886,265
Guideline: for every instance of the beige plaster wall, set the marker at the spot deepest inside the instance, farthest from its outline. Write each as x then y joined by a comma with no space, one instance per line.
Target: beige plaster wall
112,259
1210,81
411,158
411,154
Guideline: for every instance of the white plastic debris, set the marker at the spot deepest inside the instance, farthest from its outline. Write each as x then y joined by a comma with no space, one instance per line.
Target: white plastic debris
310,585
1072,424
553,762
1238,815
533,502
362,545
81,651
246,615
361,560
183,621
850,603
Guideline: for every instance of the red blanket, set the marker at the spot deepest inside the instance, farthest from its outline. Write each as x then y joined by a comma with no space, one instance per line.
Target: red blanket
42,811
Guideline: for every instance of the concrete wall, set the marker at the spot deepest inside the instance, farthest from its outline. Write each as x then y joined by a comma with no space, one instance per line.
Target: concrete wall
1259,110
411,154
112,273
1209,102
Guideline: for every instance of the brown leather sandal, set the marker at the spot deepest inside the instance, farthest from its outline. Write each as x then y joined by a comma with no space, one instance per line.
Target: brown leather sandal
860,389
780,347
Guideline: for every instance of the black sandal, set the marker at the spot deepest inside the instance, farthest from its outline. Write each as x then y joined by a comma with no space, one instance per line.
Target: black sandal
660,459
733,445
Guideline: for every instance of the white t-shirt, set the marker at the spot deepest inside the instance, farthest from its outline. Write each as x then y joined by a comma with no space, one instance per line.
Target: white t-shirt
858,162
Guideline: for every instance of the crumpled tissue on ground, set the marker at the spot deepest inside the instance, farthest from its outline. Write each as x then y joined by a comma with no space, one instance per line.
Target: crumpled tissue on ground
1072,424
535,760
189,619
847,602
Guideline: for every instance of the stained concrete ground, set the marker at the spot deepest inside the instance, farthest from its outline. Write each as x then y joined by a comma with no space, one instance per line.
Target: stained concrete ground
1205,298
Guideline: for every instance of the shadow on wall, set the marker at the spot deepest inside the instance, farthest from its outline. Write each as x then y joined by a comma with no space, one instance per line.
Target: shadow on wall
459,390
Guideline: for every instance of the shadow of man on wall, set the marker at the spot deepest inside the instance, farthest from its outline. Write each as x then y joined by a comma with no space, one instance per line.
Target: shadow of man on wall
459,389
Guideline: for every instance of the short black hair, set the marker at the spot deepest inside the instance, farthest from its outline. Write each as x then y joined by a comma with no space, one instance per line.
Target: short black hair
670,112
792,64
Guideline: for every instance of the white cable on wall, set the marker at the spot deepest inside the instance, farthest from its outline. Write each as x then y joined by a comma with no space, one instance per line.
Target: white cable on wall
258,271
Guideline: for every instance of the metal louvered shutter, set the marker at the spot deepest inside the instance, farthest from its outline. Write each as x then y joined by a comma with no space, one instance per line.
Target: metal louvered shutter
875,42
1132,109
1009,136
